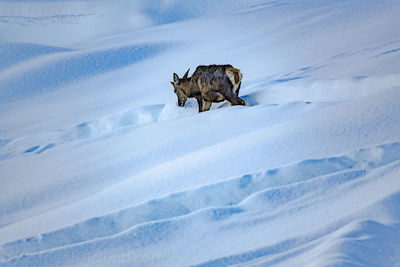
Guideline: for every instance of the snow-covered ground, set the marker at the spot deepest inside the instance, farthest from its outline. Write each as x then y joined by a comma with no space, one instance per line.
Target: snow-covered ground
98,165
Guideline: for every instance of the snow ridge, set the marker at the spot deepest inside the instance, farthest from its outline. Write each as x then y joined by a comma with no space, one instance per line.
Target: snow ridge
282,188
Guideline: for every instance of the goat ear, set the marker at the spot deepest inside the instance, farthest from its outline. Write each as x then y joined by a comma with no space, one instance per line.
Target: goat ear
176,78
186,74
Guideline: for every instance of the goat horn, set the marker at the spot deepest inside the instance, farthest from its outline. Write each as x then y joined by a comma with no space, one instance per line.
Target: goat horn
186,74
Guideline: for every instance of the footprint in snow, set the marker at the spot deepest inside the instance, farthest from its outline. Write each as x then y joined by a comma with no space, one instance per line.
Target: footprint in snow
32,149
37,149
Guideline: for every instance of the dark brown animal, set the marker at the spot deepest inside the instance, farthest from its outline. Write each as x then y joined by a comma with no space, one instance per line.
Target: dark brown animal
213,83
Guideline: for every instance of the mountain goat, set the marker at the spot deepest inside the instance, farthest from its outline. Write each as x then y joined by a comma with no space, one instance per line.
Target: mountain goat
213,83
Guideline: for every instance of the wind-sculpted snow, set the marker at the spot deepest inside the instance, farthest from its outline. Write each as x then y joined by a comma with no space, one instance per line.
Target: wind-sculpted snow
48,73
286,189
356,238
13,53
100,167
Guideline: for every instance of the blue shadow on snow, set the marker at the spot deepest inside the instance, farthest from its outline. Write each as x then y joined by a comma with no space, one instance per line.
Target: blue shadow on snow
74,68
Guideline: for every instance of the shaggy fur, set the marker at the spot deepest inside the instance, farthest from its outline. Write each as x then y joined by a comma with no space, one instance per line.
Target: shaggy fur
213,83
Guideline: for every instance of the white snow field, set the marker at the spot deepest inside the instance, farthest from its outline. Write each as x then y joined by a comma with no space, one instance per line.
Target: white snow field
100,167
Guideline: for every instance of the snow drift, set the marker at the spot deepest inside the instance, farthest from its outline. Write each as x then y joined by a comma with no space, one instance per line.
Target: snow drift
98,165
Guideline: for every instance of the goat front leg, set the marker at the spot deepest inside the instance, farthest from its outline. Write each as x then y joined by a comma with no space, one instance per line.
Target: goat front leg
207,105
200,102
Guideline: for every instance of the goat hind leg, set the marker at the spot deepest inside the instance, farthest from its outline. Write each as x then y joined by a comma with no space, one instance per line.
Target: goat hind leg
233,98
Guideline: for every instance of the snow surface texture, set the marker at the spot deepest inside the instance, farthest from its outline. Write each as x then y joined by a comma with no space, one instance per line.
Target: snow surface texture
99,167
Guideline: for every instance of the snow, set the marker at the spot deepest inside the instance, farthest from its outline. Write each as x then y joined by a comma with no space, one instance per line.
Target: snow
99,166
